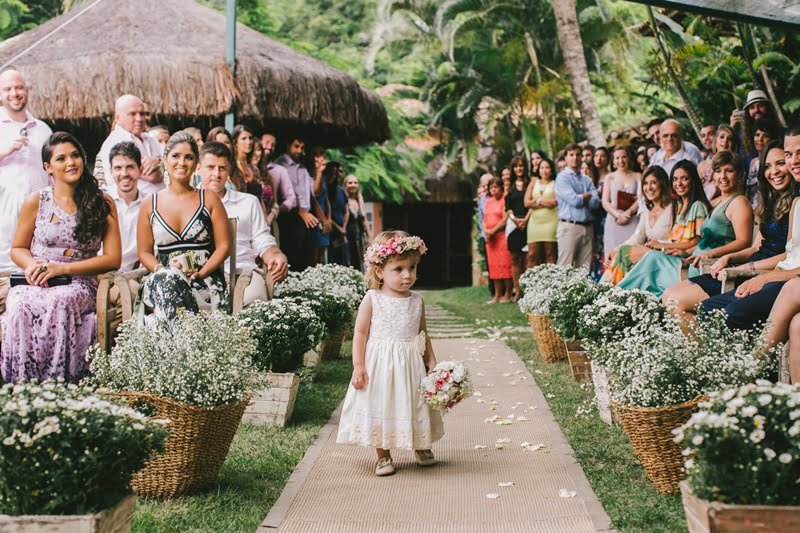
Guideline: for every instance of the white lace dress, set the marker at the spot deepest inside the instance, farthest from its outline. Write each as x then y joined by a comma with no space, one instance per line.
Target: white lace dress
389,412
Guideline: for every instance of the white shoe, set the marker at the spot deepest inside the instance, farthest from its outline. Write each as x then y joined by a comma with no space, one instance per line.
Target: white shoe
384,467
425,458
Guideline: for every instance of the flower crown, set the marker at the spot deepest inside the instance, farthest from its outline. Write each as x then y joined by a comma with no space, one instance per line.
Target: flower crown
377,254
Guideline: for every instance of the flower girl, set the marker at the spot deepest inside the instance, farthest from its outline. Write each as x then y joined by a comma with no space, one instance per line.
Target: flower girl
391,354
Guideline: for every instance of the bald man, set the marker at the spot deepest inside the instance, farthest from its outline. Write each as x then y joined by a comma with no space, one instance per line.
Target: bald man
130,119
673,147
21,172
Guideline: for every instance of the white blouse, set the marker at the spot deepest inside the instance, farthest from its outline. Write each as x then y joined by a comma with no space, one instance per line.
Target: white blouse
792,260
659,231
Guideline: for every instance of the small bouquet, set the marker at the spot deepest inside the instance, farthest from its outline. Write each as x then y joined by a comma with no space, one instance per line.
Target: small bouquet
446,385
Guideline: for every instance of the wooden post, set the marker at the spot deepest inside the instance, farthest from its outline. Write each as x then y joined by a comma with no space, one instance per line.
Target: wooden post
230,54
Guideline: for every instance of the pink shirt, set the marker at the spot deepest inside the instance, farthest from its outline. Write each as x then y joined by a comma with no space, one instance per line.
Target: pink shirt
286,196
148,146
21,173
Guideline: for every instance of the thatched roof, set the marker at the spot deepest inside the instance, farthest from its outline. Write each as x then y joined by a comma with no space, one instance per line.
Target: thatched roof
171,53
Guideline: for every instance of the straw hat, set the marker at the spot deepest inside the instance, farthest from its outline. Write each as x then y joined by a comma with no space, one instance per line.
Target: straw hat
755,97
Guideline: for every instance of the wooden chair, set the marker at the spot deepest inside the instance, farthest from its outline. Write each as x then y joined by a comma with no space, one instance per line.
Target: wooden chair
732,276
243,280
705,267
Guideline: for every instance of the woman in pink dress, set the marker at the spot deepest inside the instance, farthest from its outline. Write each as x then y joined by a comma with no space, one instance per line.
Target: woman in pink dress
50,319
497,255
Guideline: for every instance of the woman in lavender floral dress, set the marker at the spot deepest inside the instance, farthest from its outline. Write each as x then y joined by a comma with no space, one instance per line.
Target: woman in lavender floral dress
47,328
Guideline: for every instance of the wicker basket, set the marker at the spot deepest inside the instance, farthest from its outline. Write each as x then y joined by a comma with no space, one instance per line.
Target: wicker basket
579,364
551,346
332,346
199,438
650,432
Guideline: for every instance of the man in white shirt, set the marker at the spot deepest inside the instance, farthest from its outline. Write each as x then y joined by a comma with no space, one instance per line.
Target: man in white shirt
253,237
673,147
21,172
126,168
130,119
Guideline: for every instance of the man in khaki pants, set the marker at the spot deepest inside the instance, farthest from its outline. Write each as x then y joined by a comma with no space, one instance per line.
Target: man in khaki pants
576,196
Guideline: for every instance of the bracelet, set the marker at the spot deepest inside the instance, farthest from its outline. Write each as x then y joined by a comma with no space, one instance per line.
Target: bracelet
752,266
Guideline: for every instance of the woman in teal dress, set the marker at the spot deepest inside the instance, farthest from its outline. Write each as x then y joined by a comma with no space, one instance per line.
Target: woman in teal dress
656,269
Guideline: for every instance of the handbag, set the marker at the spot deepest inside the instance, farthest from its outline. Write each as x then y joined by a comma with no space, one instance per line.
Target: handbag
510,226
55,281
625,200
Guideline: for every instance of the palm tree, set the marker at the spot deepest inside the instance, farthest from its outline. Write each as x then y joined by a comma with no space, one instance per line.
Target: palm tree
569,36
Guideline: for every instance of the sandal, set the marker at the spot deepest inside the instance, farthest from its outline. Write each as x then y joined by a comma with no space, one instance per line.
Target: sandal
425,458
385,467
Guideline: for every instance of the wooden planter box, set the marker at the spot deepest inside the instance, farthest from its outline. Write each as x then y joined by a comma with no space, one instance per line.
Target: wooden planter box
579,364
703,516
275,404
114,520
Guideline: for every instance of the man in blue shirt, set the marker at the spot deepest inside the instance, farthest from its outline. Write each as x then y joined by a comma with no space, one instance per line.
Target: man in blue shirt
576,196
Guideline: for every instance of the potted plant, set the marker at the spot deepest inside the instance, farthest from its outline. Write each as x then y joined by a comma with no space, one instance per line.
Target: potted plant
563,312
67,456
742,452
539,284
284,329
660,375
604,324
329,305
196,371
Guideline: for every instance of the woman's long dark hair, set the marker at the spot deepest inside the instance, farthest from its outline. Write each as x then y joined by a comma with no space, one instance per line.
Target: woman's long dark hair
696,192
332,168
237,178
663,181
516,160
775,204
93,209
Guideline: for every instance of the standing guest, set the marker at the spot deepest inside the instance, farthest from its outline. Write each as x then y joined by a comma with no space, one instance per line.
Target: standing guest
505,175
744,311
707,134
728,229
253,237
536,157
601,159
244,176
598,220
497,255
518,214
540,199
576,196
285,198
482,198
220,135
756,107
642,162
357,227
621,201
268,196
186,263
338,252
766,130
196,133
159,133
21,172
651,151
561,163
654,225
654,131
320,239
130,120
50,320
296,225
587,154
673,147
724,141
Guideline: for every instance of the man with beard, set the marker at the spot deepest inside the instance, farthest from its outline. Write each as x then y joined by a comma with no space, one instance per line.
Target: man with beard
295,226
21,173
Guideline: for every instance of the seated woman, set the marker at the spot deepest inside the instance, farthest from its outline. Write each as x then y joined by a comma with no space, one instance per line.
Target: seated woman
654,225
659,268
776,189
50,320
187,264
728,229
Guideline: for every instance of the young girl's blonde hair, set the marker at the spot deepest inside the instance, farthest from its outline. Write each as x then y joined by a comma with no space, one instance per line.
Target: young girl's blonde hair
373,267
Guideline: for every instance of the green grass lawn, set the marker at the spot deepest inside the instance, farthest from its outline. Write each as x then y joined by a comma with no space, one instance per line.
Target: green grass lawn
259,463
604,452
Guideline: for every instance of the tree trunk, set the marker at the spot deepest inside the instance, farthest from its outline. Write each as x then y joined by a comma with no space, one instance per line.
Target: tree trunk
569,36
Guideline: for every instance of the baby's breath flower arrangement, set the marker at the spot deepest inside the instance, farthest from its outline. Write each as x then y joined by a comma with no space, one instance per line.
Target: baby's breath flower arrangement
743,446
566,303
284,330
331,303
343,281
66,450
541,282
202,359
661,366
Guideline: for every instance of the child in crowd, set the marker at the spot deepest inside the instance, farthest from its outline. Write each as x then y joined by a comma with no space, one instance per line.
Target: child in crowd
391,354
